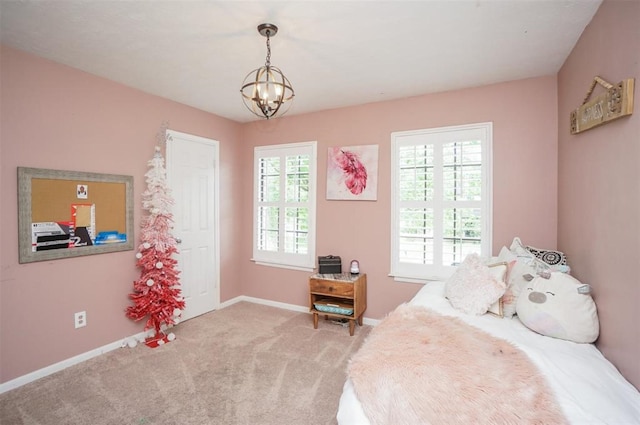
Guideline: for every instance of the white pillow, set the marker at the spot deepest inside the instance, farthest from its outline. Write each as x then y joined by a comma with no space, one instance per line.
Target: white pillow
500,270
473,288
516,280
560,307
528,264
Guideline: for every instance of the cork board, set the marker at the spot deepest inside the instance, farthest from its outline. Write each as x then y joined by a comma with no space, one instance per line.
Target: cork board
51,200
68,214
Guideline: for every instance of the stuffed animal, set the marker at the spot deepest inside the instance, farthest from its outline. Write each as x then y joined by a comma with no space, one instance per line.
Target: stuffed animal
558,305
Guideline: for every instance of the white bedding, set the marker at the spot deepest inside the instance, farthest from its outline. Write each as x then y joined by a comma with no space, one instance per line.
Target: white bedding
587,386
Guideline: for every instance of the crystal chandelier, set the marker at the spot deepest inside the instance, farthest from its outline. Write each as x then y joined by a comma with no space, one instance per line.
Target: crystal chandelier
266,91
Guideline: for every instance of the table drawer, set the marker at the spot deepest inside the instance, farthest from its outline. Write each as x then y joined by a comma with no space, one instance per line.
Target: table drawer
331,287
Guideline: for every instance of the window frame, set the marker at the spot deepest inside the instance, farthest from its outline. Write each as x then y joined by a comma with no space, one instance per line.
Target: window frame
421,273
305,262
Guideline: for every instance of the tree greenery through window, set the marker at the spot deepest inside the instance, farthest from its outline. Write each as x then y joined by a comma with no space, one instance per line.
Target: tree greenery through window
284,225
441,199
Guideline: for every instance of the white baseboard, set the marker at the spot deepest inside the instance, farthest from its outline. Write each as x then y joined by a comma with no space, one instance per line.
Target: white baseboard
262,301
57,367
293,307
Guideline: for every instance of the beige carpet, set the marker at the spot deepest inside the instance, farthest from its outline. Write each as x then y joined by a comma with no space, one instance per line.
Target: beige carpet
245,364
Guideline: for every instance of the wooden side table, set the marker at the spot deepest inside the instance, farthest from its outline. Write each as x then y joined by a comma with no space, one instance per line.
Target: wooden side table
345,290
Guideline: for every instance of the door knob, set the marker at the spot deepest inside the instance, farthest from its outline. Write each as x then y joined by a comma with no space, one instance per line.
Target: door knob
178,240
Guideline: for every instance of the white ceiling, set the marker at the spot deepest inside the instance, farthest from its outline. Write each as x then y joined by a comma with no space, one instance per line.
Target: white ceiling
335,53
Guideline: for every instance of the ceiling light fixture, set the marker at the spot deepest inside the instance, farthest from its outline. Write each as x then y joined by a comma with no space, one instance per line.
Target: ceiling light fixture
266,91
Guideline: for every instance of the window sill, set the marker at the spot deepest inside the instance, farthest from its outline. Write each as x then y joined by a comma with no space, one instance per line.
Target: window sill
404,279
284,266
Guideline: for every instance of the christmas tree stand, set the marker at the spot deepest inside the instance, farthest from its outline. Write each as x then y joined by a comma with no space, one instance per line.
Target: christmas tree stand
160,338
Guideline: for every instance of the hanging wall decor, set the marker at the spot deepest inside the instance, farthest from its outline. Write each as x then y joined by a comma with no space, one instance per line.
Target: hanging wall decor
64,214
352,173
615,103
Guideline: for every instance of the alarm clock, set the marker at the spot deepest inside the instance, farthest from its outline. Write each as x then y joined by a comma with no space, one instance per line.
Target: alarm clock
355,267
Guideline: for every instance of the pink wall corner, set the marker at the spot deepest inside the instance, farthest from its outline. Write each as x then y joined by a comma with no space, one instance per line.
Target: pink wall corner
598,190
57,117
524,116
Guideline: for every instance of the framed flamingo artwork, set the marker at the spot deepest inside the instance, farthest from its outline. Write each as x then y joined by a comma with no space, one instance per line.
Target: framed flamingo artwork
352,173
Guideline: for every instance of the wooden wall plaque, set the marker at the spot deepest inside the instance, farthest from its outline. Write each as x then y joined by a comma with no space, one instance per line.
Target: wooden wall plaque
615,103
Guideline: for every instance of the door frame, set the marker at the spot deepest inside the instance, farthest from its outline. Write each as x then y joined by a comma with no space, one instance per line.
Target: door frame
172,137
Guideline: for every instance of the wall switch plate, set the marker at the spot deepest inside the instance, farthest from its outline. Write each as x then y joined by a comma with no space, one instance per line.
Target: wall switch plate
80,319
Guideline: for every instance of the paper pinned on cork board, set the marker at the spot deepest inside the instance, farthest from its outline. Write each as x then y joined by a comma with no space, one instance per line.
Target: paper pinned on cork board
84,215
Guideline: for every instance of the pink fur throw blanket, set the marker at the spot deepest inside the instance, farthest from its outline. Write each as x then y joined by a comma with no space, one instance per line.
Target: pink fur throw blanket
419,367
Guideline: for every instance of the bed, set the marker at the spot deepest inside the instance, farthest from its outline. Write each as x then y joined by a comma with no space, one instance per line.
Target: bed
585,386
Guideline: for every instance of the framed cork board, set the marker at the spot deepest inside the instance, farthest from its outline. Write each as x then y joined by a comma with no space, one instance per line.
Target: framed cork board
63,214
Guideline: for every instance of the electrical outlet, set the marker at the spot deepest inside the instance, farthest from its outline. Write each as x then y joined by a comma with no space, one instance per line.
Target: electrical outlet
80,319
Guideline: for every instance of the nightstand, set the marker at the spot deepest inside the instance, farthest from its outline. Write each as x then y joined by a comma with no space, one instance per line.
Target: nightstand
342,292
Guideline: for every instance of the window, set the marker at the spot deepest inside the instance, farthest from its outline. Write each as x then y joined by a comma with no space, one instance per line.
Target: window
285,205
441,199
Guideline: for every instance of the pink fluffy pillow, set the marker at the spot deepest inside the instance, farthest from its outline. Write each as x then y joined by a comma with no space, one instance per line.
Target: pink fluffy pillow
473,288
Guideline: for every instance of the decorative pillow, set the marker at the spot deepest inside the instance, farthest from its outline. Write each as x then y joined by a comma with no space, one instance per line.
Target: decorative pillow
528,266
540,265
473,288
500,270
553,258
516,280
560,307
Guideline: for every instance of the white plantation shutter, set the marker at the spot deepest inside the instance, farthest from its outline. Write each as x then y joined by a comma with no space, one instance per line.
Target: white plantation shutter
284,207
268,203
296,200
441,199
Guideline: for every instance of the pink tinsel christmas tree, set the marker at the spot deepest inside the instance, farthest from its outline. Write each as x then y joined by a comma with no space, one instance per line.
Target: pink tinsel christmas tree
157,293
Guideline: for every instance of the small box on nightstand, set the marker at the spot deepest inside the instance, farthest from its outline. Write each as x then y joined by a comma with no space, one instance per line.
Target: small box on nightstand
329,264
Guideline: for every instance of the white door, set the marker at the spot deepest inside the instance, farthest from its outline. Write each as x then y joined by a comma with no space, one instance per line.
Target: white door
192,175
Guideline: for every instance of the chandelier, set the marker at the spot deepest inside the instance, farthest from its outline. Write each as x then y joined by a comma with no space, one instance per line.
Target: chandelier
266,92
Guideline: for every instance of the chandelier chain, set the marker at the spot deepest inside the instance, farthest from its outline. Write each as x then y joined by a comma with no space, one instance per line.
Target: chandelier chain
268,59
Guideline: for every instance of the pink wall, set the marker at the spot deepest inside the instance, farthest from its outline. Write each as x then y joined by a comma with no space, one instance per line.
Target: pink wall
599,193
524,114
60,118
57,117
